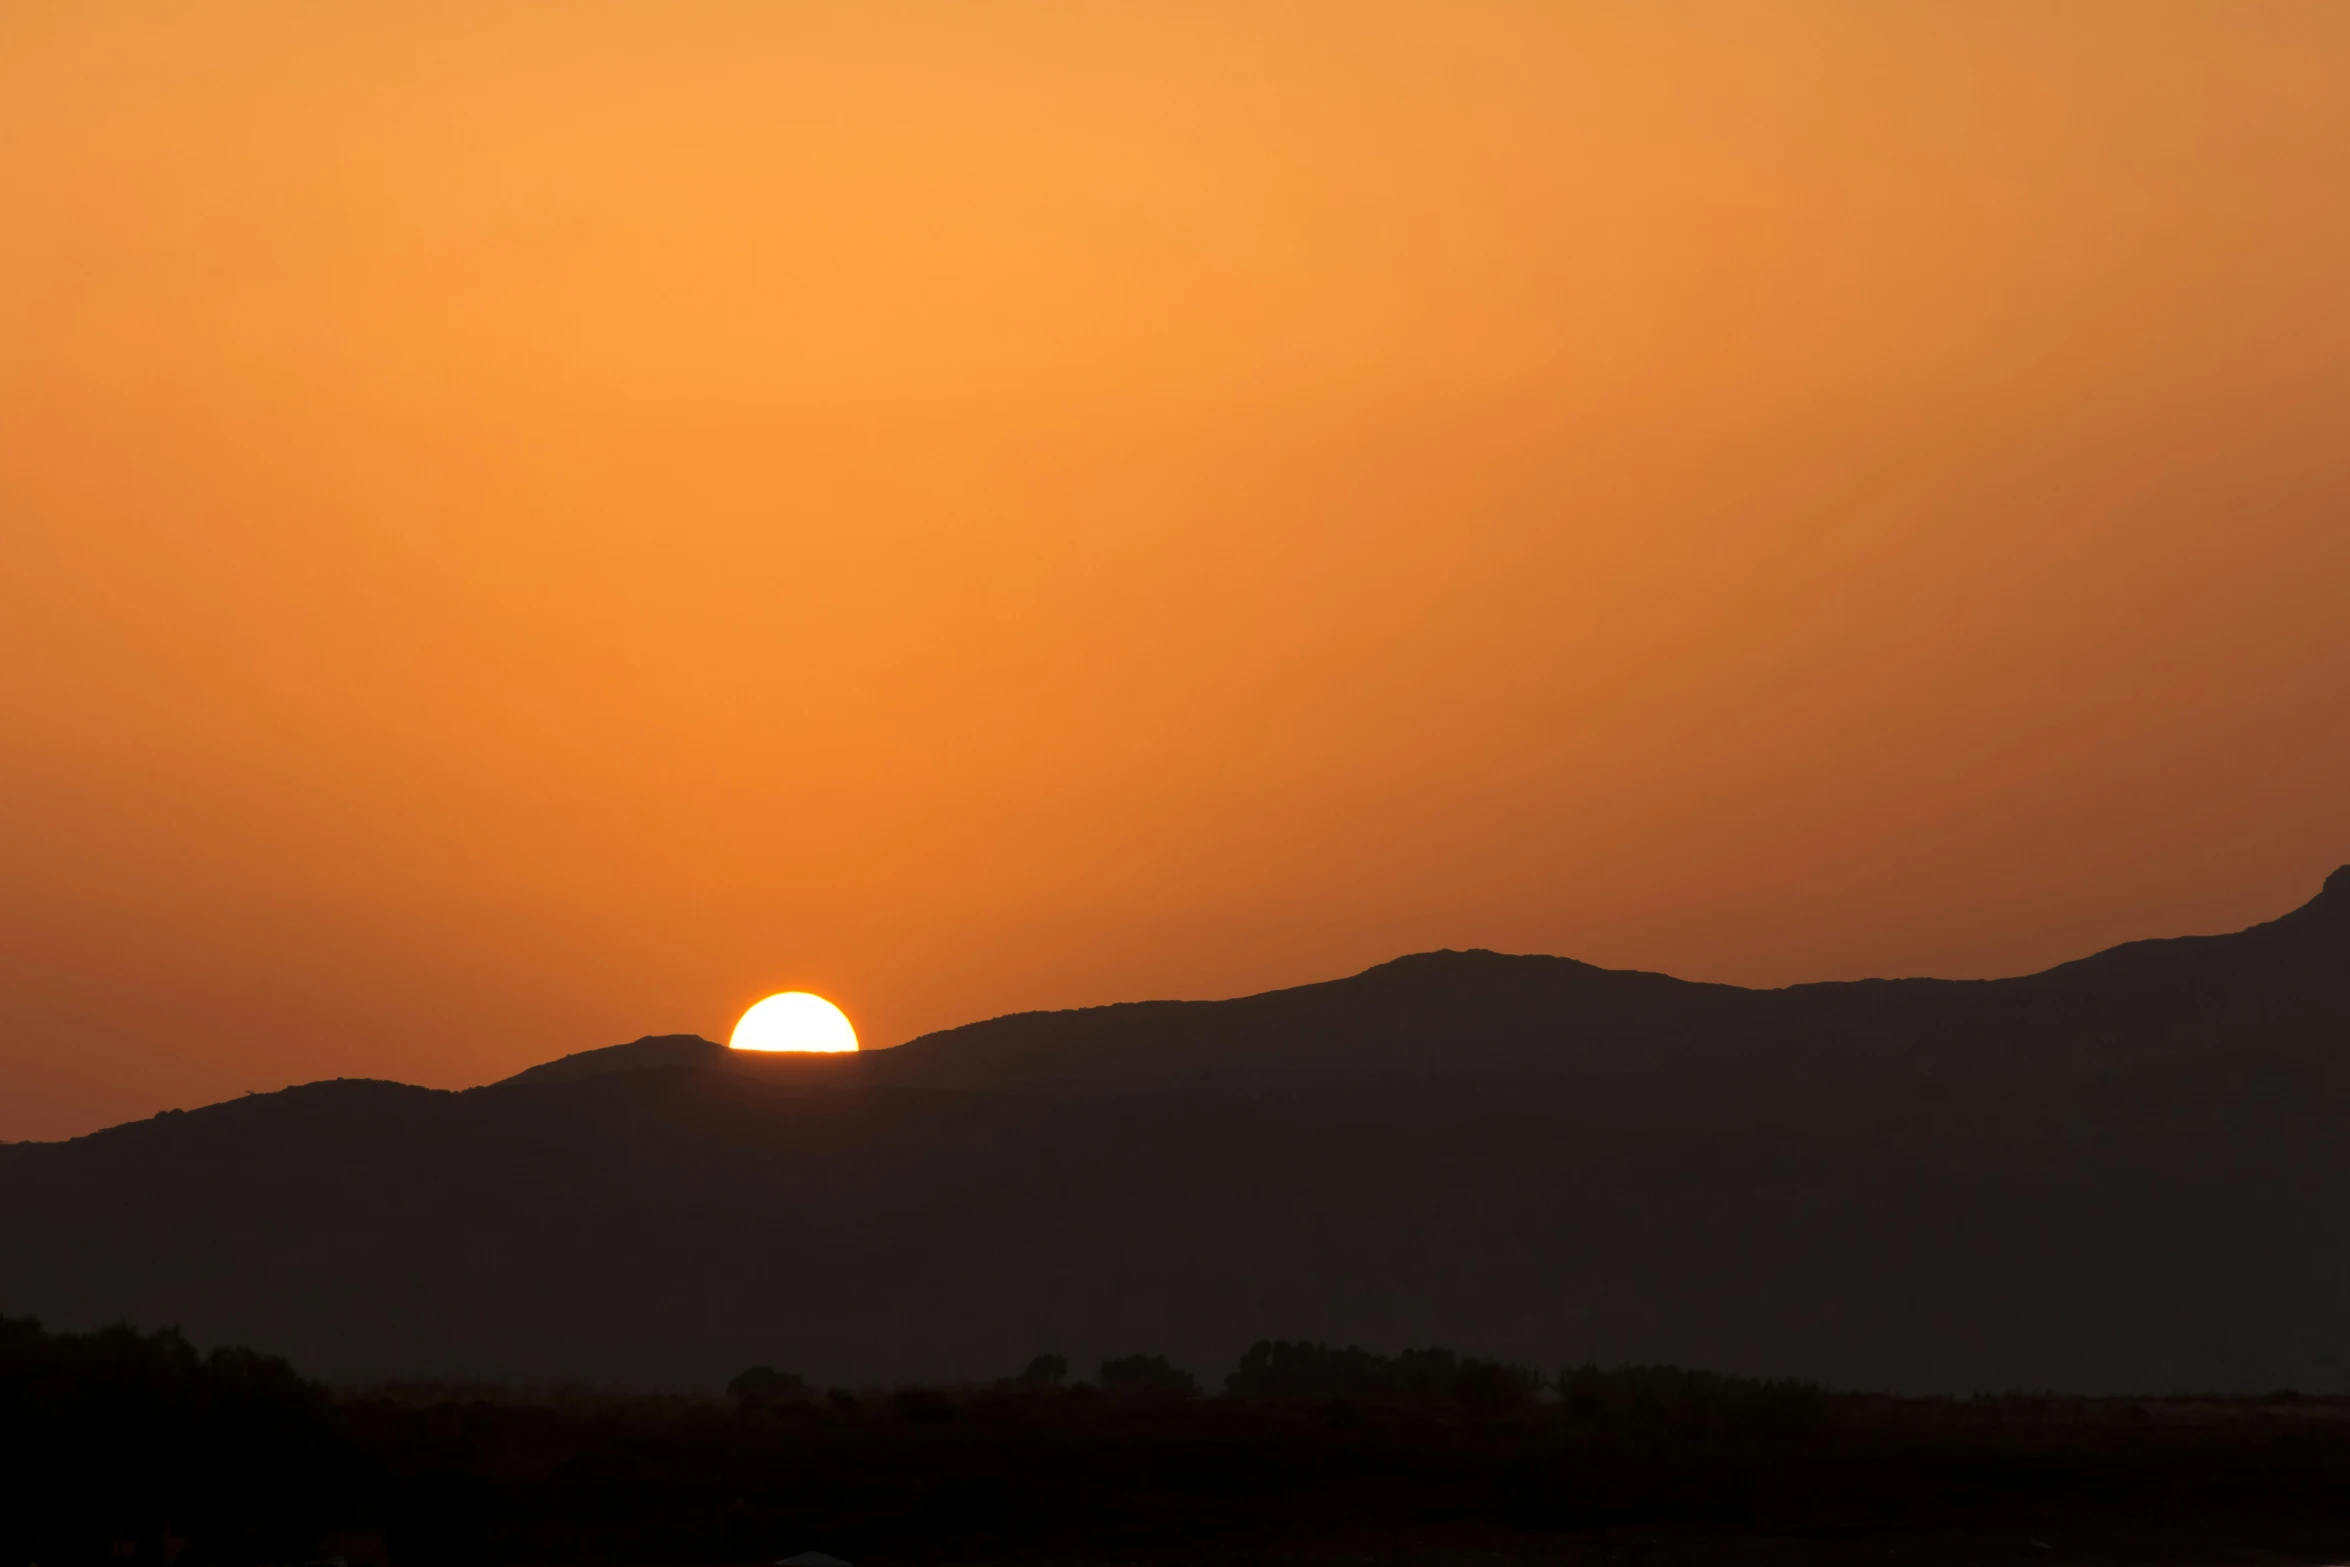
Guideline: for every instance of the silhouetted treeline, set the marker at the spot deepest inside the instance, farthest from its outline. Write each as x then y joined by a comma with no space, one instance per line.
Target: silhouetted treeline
1317,1451
1274,1368
1147,1374
123,1445
766,1385
134,1449
1669,1404
1045,1371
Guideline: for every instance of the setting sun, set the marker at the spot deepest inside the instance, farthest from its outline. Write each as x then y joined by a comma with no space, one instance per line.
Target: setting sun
1617,733
794,1020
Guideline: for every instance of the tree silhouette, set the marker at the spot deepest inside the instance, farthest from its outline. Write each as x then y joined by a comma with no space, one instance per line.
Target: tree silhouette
115,1442
1045,1371
762,1386
1147,1374
1277,1368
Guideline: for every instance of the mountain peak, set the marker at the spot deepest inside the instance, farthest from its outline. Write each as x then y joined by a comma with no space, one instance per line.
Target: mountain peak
651,1052
2329,909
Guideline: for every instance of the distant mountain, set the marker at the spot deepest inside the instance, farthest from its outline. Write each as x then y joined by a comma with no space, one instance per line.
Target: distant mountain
1483,1012
2127,1173
653,1052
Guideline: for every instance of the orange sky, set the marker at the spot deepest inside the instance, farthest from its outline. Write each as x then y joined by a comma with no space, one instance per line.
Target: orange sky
523,526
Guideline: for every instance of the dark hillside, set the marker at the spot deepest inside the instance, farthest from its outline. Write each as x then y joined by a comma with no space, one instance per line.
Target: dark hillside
2283,985
2126,1174
1436,1011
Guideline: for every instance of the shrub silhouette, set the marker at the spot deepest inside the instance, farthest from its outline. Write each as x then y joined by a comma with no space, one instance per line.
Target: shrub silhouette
441,1517
924,1406
1491,1387
1669,1404
1277,1368
119,1449
1045,1371
115,1441
1147,1374
764,1386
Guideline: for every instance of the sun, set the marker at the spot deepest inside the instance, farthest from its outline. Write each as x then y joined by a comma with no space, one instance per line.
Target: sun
794,1020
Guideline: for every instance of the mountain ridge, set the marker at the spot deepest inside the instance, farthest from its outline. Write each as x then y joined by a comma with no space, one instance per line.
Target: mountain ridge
2126,1173
2328,910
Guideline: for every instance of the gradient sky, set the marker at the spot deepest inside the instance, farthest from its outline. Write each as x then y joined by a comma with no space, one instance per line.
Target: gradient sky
524,526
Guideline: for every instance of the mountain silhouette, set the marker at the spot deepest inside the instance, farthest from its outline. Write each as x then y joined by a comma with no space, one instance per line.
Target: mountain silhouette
2129,1172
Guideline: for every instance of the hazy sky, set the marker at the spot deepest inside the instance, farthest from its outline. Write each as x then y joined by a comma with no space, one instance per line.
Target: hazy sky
524,526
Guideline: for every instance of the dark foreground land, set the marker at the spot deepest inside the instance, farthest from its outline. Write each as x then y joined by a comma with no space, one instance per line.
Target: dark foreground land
125,1448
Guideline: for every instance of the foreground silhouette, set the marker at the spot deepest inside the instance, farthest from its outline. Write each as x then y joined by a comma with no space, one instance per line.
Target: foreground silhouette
119,1445
2127,1174
122,1448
